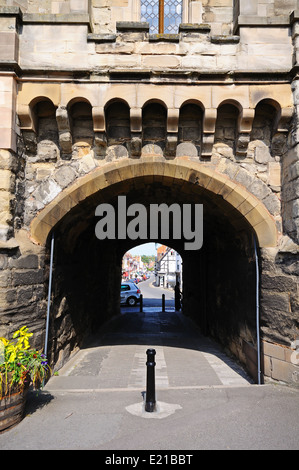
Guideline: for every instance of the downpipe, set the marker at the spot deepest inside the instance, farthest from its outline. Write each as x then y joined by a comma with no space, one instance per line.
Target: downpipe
49,295
257,289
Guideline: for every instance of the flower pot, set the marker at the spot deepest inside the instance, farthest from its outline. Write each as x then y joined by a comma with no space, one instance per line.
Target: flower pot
12,409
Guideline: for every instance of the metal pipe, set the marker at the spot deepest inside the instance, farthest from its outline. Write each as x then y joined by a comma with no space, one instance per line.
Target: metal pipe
49,294
257,312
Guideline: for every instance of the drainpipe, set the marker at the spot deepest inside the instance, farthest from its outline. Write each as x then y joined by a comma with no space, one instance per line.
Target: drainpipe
49,294
257,311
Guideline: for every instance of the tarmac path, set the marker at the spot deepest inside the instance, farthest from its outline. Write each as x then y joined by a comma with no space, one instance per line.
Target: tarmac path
117,360
204,399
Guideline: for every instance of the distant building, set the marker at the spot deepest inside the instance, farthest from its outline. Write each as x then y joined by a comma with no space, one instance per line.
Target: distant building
132,266
168,267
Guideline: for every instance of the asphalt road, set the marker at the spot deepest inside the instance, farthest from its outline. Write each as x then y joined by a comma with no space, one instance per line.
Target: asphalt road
152,296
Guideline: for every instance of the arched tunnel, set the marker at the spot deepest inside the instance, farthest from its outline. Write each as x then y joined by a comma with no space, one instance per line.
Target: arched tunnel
218,279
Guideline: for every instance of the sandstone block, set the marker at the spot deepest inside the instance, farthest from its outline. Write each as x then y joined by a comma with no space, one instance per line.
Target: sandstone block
6,180
64,176
272,301
25,262
278,283
46,192
273,204
284,371
6,160
160,61
5,217
274,174
186,148
27,277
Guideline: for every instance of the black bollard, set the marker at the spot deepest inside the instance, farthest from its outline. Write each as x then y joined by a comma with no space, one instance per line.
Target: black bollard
141,302
150,401
163,302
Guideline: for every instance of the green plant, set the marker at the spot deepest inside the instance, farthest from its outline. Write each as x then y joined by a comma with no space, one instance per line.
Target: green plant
20,364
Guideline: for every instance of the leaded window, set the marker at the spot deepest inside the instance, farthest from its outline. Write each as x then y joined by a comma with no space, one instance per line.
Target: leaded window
163,16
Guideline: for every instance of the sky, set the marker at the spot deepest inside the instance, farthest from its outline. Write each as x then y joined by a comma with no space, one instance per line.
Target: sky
145,249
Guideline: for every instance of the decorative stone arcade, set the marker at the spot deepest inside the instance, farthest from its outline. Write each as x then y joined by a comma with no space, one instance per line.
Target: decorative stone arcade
94,107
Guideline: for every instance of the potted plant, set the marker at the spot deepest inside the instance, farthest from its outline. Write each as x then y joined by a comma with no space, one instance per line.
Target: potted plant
20,366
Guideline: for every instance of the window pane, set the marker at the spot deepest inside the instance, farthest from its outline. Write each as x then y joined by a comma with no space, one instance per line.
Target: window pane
149,13
172,15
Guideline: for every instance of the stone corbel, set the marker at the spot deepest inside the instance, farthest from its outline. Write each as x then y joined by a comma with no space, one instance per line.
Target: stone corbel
136,119
136,132
208,132
173,120
281,129
28,126
99,127
98,116
64,129
27,119
100,144
172,132
171,144
244,130
283,120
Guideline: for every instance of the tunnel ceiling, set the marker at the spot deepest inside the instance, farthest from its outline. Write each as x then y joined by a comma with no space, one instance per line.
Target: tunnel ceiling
219,217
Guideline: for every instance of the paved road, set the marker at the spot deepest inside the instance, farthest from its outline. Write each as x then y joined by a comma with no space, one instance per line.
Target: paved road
152,295
204,400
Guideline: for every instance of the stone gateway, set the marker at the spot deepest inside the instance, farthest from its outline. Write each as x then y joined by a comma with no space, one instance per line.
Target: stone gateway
195,105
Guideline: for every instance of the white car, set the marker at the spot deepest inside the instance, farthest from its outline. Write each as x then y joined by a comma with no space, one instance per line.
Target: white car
129,293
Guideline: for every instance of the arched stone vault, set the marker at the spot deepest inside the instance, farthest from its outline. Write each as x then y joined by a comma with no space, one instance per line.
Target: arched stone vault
190,174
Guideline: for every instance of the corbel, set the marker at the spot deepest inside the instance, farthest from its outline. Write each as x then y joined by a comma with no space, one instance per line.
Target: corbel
136,132
27,119
28,126
244,130
281,129
64,130
172,132
208,131
99,127
283,119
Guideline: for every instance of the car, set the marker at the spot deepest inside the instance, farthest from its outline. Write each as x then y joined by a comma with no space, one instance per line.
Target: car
129,294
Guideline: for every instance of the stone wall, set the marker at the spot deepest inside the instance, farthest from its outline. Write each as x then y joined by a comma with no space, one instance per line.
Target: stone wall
67,143
193,50
223,16
55,7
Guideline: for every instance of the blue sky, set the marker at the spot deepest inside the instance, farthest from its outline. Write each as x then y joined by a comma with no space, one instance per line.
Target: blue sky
145,249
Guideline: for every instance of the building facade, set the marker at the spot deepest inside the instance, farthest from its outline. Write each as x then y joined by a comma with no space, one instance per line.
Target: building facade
132,266
194,101
168,270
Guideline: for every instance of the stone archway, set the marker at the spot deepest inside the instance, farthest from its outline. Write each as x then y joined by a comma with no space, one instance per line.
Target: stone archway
182,170
143,179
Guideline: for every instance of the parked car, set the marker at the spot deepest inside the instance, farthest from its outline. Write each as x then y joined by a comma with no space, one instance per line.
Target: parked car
129,293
